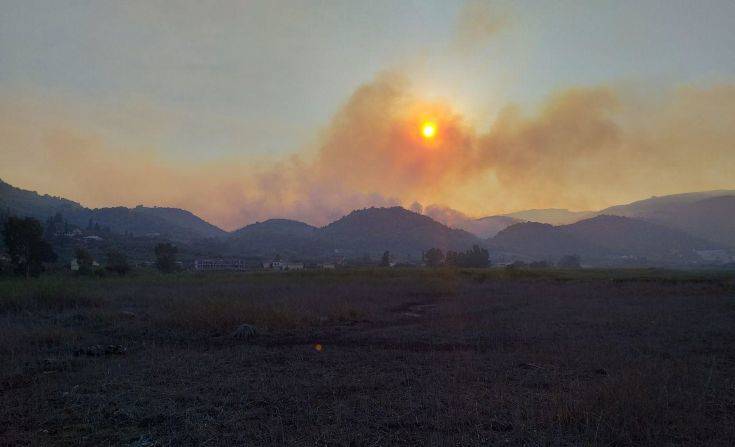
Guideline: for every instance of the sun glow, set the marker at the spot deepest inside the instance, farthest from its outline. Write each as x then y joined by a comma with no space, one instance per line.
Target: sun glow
428,129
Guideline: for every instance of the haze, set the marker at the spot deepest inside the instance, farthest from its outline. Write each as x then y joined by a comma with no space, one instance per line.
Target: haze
242,111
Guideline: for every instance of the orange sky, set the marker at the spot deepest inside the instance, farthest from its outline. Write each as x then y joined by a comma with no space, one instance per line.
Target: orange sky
308,114
582,148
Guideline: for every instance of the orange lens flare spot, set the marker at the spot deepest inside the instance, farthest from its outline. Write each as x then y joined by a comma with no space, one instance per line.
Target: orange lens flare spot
318,347
428,129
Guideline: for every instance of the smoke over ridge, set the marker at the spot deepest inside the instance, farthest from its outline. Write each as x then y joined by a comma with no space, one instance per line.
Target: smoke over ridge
585,147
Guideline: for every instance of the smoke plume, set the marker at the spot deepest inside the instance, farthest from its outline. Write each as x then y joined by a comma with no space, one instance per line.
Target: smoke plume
583,148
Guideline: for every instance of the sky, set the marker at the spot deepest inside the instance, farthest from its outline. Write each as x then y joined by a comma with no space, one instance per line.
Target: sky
244,110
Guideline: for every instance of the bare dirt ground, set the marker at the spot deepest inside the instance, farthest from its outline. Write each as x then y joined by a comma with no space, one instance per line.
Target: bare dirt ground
370,358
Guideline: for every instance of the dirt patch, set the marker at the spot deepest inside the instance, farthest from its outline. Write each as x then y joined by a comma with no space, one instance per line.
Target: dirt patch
407,359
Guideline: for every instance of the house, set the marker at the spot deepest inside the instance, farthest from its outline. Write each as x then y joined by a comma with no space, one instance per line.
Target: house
74,264
292,266
278,264
211,265
721,256
76,232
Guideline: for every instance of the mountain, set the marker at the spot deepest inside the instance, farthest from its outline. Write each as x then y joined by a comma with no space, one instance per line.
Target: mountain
602,239
541,241
483,227
173,223
29,203
656,203
670,230
486,227
553,216
402,232
709,215
625,236
369,231
275,236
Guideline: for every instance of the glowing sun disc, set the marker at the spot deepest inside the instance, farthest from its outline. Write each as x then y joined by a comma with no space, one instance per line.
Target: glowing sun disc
428,130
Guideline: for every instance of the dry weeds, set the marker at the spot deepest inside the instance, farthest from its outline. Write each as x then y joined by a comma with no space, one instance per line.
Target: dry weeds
406,358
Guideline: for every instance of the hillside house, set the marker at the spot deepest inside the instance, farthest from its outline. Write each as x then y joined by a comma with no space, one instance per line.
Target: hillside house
717,256
74,264
212,265
278,264
76,232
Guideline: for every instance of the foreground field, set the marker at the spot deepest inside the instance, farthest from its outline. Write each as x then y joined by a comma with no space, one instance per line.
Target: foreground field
414,357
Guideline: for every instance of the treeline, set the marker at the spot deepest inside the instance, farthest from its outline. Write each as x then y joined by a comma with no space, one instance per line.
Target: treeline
476,257
29,252
566,262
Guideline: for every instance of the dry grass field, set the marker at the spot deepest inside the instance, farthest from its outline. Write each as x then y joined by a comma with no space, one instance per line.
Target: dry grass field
370,357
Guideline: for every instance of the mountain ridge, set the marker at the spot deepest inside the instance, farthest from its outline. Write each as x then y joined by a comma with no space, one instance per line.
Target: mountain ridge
176,223
662,229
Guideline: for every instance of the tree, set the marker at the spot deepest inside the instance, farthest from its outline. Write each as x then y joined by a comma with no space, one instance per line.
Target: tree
385,260
475,257
84,261
24,241
538,265
569,262
117,262
433,257
517,265
166,257
452,258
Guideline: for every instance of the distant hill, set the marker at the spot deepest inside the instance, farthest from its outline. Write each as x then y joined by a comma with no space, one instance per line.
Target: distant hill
709,215
374,230
669,230
483,227
486,227
362,232
173,223
662,202
602,239
541,241
275,236
29,203
553,216
633,237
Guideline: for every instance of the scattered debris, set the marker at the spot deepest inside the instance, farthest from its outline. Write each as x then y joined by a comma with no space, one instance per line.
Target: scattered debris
501,426
143,441
245,331
52,365
99,350
127,314
530,366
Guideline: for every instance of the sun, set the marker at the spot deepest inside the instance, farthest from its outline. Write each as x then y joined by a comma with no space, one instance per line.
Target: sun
428,129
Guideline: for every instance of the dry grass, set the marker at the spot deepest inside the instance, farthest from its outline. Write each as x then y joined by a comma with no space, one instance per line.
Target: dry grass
407,358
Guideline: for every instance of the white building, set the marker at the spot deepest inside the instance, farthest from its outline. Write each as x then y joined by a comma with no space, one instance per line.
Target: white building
721,256
283,265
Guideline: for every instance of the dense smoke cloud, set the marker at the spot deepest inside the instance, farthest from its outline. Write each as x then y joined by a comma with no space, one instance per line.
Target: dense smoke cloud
477,23
584,148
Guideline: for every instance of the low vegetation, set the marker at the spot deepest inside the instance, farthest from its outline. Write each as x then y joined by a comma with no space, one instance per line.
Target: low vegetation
438,356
